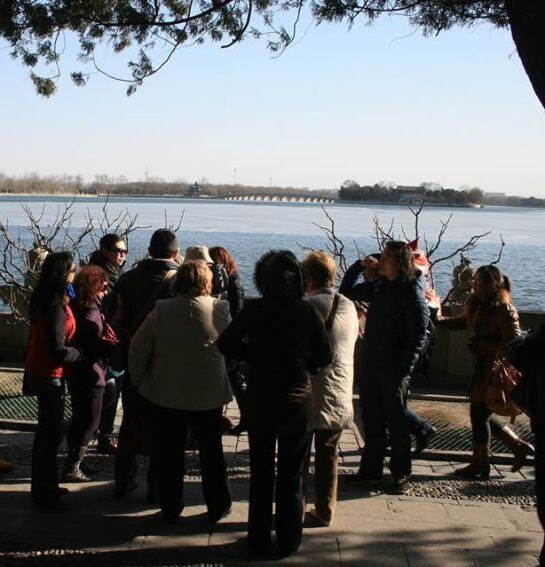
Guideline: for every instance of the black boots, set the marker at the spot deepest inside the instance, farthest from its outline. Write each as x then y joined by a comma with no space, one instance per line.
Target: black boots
517,446
479,466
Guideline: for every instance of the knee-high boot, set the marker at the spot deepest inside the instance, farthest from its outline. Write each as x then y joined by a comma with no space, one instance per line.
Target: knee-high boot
479,466
516,445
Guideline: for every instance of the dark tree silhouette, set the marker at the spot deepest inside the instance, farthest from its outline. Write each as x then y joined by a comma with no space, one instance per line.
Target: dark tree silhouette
35,29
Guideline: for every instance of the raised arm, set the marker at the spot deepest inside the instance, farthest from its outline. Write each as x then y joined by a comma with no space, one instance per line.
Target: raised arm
456,323
362,291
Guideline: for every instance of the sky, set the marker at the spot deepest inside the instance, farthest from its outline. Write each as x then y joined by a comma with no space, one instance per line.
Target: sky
370,104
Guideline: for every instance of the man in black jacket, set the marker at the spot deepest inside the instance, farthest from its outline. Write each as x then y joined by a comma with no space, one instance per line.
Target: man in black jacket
395,334
135,290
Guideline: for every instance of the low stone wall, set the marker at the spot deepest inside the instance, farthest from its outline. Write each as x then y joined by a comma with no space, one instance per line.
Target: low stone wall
13,340
450,366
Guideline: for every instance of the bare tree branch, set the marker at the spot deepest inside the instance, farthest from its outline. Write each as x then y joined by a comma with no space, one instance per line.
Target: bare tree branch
174,227
382,235
430,251
359,252
500,253
469,245
335,245
416,212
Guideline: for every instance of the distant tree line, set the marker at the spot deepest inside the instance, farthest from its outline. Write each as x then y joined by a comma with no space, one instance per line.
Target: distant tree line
515,201
392,193
120,186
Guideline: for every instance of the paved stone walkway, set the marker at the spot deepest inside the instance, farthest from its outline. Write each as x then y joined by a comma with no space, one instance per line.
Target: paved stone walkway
371,529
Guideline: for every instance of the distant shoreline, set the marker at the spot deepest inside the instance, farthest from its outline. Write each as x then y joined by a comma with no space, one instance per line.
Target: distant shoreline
336,201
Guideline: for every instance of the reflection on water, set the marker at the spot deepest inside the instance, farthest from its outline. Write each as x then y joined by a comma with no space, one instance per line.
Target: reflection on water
249,229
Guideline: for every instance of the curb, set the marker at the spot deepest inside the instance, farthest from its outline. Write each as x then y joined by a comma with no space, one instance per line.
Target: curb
18,425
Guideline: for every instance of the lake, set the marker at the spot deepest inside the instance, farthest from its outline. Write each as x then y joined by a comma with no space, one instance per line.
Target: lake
248,229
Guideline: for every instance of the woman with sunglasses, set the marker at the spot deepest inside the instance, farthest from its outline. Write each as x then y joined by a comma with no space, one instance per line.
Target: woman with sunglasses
86,383
49,360
111,256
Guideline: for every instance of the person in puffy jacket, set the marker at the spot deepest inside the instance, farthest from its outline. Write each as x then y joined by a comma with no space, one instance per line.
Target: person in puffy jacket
49,360
395,335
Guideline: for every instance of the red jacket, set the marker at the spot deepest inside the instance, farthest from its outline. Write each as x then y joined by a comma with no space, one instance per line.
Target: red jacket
49,353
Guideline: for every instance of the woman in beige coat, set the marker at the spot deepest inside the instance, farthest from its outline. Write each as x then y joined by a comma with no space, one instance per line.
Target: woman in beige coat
332,385
175,364
494,322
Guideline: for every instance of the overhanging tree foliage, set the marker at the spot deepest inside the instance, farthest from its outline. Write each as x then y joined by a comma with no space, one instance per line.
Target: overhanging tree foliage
35,28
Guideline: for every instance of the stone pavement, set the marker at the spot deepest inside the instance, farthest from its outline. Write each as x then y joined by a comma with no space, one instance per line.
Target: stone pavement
370,529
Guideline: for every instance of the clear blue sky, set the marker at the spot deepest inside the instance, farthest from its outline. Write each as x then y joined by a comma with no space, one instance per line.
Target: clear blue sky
367,104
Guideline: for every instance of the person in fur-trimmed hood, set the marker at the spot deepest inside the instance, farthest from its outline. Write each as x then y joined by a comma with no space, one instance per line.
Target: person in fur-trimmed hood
490,315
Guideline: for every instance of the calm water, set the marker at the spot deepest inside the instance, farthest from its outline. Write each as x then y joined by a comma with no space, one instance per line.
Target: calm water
249,229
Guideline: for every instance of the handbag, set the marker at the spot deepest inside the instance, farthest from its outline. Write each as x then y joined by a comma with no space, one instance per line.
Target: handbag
503,379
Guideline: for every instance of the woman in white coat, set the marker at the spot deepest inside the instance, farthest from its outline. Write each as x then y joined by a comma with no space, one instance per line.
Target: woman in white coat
175,364
332,385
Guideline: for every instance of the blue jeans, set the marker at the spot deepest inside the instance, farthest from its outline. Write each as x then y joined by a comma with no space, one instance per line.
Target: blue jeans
418,427
47,439
112,391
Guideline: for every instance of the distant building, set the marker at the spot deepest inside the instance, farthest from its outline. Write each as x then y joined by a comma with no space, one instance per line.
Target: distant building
195,190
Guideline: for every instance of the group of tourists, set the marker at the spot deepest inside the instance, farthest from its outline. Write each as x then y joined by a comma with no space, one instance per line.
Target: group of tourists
175,339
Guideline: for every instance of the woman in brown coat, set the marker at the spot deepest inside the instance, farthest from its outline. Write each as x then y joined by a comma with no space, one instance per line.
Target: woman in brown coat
494,322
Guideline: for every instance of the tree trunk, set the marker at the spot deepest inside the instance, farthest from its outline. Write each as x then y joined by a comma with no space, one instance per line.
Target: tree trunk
527,21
